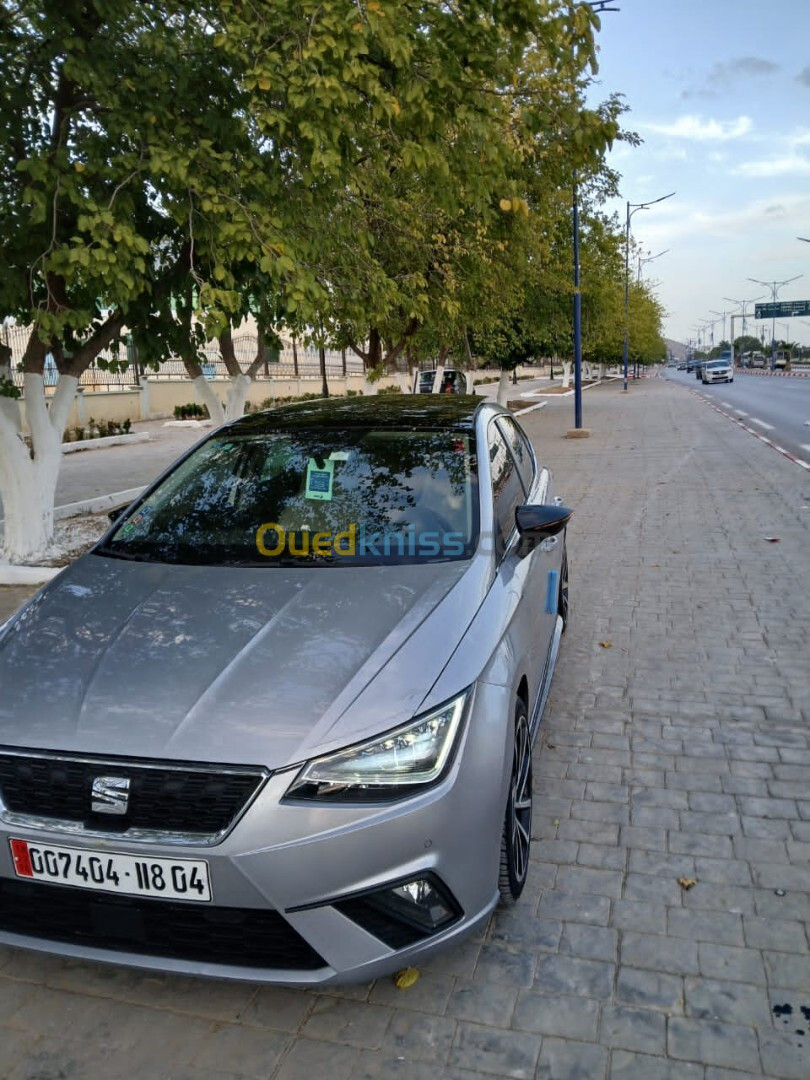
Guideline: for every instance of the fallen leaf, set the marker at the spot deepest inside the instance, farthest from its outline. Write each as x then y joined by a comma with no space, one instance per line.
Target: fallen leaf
606,644
687,883
772,539
406,978
551,745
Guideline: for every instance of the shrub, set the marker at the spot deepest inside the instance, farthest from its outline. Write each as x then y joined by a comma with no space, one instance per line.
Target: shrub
389,390
191,411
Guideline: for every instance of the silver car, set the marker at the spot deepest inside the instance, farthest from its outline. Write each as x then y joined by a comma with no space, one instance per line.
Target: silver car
717,371
277,725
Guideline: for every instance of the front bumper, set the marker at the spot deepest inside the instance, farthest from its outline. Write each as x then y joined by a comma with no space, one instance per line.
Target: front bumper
282,871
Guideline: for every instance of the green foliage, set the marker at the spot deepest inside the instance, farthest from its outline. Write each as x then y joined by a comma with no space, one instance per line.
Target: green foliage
191,411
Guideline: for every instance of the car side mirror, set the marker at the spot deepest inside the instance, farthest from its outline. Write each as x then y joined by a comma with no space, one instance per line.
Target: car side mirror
118,511
540,522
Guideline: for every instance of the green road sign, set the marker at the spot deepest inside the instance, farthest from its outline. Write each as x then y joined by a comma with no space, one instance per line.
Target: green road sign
782,309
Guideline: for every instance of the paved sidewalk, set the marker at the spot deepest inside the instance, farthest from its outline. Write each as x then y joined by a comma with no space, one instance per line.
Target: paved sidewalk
676,745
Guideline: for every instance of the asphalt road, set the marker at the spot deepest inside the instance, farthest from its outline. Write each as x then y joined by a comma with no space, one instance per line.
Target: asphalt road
776,407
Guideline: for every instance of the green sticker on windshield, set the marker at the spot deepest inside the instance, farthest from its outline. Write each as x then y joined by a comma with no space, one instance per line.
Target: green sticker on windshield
319,479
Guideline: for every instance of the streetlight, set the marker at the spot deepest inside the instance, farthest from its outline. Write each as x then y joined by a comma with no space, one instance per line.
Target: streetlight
598,7
803,238
743,304
649,259
632,208
774,286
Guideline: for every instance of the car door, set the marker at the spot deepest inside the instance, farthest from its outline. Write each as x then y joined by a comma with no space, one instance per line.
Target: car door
523,578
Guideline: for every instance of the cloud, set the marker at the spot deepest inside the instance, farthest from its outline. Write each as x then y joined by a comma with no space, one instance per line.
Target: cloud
787,165
722,74
696,129
804,76
744,221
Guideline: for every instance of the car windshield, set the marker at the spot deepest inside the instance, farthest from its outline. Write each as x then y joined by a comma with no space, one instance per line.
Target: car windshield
717,363
311,497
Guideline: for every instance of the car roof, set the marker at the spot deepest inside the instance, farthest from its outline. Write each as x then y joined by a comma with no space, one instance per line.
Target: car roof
397,411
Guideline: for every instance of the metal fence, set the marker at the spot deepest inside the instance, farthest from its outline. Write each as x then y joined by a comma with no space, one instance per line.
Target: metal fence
289,362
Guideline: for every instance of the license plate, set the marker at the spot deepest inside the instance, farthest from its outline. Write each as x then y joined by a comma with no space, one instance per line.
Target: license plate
112,871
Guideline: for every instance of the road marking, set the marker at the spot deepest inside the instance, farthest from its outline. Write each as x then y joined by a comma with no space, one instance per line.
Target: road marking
727,404
762,438
531,408
739,412
762,424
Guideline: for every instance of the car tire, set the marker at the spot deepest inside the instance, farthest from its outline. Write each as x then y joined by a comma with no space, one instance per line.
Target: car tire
517,827
563,598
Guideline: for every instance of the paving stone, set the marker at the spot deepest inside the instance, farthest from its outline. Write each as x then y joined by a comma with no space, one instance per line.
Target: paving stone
781,876
561,1059
565,1017
713,926
734,898
580,879
787,906
660,797
482,1002
672,955
430,995
763,828
767,808
713,1043
572,908
390,1064
519,926
256,1050
501,964
730,962
639,915
774,934
630,1066
685,843
588,832
499,1053
604,813
789,970
784,1056
602,858
649,887
589,942
661,865
628,1028
571,975
633,836
309,1057
352,1023
421,1037
722,871
732,1002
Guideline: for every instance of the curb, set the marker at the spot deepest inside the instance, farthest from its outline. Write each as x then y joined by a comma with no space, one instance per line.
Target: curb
108,440
771,374
27,575
96,505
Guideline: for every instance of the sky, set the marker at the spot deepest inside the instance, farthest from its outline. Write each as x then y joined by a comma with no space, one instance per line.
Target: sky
719,90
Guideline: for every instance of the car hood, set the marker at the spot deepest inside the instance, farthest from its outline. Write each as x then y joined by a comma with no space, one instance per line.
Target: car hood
245,666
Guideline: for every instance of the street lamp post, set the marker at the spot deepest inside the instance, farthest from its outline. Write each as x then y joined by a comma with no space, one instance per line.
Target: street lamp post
598,6
742,304
649,259
774,286
632,208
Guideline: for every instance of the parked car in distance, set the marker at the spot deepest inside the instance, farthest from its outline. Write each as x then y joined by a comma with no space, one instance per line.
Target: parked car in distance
452,382
277,725
717,371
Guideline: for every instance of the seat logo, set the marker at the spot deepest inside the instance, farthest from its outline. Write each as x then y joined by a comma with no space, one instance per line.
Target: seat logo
110,795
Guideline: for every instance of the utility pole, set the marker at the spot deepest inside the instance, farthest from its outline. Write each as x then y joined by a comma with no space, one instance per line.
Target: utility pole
632,208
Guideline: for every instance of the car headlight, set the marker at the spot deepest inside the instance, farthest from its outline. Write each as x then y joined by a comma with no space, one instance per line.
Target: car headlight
388,767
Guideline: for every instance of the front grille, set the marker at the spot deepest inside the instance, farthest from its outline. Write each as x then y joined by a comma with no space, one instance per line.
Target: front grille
163,798
243,937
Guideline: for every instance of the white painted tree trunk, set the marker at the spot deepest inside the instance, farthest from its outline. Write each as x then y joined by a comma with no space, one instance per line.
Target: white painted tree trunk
237,396
503,387
601,371
566,374
28,481
204,392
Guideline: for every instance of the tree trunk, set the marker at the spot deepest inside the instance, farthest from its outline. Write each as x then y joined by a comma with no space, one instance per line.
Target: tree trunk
324,383
503,387
28,479
204,392
566,381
